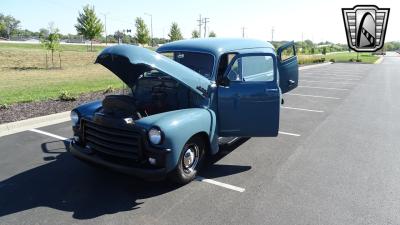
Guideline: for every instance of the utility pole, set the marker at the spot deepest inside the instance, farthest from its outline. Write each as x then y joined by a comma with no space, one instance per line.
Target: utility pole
205,21
105,24
272,34
151,27
200,23
243,28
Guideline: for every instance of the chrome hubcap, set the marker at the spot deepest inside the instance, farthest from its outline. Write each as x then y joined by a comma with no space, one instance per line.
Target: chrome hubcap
190,158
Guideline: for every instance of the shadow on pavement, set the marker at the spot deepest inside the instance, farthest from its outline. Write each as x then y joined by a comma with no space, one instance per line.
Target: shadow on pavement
213,170
67,184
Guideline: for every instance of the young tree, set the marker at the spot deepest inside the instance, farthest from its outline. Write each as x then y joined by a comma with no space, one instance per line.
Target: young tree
52,41
142,35
175,33
212,34
89,25
195,34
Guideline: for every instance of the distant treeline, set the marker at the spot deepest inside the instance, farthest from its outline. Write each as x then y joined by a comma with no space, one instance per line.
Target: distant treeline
9,29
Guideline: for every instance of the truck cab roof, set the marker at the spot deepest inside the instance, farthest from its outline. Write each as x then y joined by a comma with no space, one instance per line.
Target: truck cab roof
216,46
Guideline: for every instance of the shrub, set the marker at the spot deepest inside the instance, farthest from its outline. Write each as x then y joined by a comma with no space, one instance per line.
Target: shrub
4,106
351,60
66,96
358,60
332,60
109,89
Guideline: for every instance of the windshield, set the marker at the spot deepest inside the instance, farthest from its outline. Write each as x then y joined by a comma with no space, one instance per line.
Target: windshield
202,63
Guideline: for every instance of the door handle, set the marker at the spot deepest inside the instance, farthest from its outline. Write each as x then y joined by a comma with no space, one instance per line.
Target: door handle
268,90
291,82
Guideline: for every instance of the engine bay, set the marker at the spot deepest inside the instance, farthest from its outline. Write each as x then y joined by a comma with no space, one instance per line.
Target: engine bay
150,95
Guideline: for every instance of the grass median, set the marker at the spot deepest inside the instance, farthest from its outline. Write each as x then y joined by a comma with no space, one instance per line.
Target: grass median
24,77
338,57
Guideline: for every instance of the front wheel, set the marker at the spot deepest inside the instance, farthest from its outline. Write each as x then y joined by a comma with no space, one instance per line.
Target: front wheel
190,161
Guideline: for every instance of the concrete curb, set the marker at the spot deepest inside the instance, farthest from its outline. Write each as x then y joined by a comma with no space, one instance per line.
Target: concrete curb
314,66
23,125
379,61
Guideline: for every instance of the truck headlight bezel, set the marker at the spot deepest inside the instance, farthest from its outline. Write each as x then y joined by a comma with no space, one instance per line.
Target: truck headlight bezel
74,118
155,136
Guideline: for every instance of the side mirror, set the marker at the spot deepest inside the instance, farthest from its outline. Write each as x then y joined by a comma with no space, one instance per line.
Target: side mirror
224,81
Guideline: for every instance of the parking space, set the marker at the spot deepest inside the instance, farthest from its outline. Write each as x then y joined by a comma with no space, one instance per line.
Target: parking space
254,181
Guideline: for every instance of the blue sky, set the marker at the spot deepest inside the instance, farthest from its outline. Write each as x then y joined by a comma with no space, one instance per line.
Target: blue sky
312,19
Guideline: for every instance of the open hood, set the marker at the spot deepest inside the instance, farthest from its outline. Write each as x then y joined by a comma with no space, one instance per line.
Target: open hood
128,62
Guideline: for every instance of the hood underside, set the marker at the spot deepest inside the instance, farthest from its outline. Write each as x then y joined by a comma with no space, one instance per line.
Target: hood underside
128,62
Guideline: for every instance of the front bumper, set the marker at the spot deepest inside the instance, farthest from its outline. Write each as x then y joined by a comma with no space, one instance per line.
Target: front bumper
147,173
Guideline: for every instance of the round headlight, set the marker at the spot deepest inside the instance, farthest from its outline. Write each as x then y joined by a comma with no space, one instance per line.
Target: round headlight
155,136
74,118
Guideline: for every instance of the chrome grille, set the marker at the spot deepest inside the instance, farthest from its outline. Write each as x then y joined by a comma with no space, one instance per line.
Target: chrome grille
123,143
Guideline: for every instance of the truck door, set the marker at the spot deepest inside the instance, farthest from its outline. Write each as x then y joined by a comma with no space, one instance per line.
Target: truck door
249,97
288,67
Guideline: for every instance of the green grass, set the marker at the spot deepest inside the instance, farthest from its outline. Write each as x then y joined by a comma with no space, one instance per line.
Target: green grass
338,57
347,56
24,77
63,47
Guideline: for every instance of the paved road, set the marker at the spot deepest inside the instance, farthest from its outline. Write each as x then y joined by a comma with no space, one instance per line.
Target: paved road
342,167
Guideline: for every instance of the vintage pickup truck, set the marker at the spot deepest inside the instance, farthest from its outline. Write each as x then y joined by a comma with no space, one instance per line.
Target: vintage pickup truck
185,100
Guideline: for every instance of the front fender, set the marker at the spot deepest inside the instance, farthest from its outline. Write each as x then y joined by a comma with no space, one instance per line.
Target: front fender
87,110
178,126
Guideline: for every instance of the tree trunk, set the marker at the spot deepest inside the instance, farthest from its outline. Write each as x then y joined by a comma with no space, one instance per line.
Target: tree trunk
52,60
59,56
91,45
47,64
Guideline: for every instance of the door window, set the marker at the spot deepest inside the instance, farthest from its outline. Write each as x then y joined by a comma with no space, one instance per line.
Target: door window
288,53
252,69
234,74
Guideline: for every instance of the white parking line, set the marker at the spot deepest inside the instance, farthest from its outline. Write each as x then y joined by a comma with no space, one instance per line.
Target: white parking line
332,75
49,134
224,185
328,82
326,77
313,96
301,109
290,134
326,88
202,179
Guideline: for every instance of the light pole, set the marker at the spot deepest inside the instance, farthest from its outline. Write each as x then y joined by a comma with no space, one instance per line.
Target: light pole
151,26
105,24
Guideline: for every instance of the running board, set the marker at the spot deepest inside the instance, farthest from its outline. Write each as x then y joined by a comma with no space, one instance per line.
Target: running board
227,140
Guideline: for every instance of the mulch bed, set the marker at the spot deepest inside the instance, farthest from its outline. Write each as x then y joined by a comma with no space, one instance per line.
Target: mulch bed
21,111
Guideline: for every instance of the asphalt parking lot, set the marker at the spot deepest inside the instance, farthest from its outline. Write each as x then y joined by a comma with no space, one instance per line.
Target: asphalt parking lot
336,161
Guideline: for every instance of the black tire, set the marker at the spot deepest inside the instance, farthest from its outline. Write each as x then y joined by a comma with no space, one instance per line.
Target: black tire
182,174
